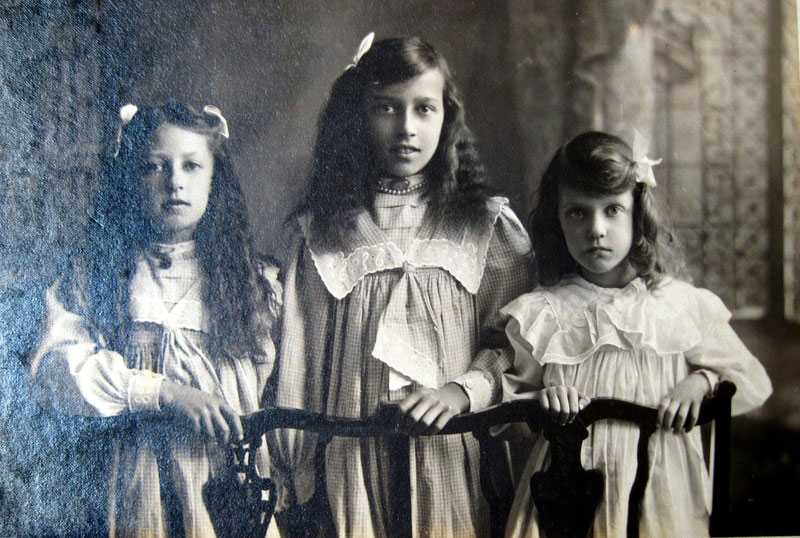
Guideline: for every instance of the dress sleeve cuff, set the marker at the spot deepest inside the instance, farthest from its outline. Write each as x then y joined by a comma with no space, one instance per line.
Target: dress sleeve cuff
143,391
711,376
478,388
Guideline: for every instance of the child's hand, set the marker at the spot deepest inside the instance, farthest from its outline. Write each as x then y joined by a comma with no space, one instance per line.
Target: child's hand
680,408
427,411
207,414
562,402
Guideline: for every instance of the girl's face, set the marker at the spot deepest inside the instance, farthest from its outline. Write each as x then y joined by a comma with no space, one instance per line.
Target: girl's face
177,181
405,121
599,231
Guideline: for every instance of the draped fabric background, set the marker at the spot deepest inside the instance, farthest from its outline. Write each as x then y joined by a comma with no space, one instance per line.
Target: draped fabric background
701,79
714,84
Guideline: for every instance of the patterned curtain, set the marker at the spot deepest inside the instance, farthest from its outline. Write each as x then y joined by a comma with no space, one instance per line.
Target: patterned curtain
716,150
791,159
693,75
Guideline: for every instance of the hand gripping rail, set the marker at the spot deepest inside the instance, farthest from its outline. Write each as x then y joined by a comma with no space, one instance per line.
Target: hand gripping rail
566,495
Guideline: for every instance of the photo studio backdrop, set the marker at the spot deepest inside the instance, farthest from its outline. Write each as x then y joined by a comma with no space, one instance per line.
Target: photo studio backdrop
715,85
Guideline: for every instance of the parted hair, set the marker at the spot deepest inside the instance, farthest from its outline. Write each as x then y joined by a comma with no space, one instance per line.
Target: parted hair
240,301
343,168
603,164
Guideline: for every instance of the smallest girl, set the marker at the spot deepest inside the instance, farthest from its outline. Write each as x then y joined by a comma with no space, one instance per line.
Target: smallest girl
165,320
610,321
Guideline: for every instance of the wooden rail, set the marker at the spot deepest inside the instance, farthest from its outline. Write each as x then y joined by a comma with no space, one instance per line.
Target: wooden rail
566,494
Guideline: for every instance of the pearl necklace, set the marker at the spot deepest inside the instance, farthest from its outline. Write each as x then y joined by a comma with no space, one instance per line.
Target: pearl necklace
407,190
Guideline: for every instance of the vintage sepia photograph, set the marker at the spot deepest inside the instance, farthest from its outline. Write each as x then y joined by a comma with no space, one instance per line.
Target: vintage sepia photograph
399,268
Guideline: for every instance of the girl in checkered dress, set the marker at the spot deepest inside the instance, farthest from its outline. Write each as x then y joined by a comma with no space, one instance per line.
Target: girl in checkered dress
165,319
397,264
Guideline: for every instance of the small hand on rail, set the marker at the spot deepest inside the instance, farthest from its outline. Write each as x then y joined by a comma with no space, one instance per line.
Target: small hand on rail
388,420
564,493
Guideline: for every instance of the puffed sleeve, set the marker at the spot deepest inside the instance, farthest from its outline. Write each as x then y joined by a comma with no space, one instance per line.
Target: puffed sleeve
297,379
723,353
76,373
507,274
527,315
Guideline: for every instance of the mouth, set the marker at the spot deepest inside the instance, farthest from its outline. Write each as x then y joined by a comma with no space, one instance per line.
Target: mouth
404,150
598,250
170,204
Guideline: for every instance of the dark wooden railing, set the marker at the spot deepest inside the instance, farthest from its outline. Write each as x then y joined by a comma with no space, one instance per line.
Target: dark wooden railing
566,495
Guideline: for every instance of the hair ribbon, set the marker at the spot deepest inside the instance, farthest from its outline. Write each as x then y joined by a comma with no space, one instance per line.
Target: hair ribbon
223,123
644,164
365,45
126,114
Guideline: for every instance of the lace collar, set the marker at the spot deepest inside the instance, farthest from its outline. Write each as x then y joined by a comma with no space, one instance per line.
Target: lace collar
366,250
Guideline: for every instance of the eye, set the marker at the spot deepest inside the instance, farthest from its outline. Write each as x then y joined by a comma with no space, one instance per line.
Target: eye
614,210
191,165
426,109
576,212
383,108
153,167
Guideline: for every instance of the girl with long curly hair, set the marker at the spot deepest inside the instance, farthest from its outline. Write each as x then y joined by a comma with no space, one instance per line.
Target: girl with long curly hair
164,320
399,259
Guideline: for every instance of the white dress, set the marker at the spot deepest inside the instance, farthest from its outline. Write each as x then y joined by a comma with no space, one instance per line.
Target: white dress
630,344
157,470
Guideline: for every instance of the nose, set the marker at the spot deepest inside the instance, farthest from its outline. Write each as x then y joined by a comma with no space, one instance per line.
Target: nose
407,125
174,179
597,228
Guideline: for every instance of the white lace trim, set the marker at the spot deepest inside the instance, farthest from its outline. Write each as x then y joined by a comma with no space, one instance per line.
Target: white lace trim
465,261
186,314
143,390
397,380
341,273
146,306
401,356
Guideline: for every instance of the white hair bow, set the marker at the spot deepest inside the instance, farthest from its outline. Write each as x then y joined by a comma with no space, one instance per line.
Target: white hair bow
126,114
644,164
214,111
365,45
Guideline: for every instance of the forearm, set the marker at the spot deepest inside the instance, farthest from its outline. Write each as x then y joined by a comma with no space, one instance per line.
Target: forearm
76,374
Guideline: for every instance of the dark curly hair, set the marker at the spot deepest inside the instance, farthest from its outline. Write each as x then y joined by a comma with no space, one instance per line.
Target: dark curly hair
602,164
240,301
343,167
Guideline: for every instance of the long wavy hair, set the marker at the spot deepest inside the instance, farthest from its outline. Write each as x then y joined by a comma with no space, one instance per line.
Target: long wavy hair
601,164
240,302
343,168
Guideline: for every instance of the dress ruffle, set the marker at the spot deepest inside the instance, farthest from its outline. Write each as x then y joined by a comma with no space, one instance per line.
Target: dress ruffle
569,323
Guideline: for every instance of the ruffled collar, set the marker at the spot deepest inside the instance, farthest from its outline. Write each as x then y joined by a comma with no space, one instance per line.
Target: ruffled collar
568,323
